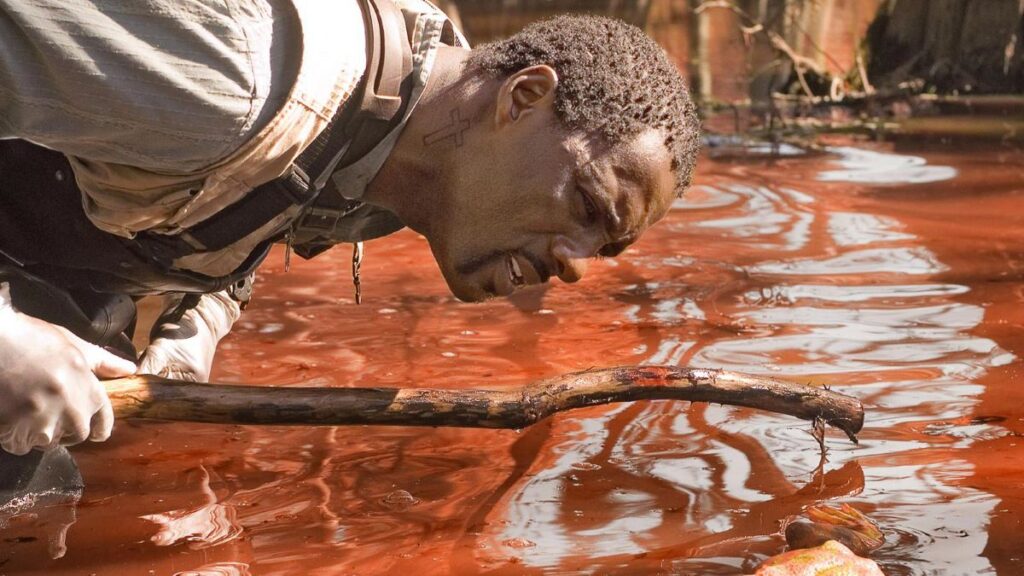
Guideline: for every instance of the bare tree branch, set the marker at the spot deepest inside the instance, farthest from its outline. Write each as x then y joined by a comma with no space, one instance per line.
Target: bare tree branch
754,26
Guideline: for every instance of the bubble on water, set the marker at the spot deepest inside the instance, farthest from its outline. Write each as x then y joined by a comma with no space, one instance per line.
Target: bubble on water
398,500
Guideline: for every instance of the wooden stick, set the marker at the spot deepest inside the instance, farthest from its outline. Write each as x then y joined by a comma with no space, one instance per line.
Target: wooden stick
153,397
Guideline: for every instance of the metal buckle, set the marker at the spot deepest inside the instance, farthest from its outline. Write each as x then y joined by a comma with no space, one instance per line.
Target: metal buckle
295,185
325,220
321,219
241,291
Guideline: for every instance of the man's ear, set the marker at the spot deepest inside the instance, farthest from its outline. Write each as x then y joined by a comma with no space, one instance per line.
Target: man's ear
524,92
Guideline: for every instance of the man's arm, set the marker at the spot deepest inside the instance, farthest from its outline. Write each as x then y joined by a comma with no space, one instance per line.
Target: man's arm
169,86
49,390
146,98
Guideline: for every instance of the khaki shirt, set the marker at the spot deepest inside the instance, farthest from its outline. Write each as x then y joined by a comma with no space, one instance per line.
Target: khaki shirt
171,110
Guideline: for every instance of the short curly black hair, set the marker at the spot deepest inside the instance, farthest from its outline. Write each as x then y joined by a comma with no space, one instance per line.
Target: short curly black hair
613,79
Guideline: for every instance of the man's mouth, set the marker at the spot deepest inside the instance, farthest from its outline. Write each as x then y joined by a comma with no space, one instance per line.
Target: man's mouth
509,271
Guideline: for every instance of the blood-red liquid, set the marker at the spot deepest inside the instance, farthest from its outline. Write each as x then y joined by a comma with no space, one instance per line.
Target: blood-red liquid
894,274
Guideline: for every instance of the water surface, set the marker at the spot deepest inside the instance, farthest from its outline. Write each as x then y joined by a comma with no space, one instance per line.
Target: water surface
895,274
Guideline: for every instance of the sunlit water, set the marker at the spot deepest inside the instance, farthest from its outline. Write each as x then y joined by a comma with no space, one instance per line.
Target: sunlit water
893,275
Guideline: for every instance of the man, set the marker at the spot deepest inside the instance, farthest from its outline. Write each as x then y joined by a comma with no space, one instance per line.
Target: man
155,144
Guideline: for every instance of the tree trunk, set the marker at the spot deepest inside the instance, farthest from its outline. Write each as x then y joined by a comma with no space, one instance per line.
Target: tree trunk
949,45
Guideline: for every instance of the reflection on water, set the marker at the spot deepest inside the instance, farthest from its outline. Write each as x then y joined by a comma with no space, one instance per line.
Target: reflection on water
207,525
869,167
855,269
799,323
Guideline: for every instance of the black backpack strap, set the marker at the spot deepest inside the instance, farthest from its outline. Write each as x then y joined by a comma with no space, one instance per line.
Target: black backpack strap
380,95
364,120
383,97
233,223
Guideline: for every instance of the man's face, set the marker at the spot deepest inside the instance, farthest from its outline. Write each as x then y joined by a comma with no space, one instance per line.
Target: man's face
530,200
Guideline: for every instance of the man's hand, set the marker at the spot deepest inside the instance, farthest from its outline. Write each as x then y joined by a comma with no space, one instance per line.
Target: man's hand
49,391
185,338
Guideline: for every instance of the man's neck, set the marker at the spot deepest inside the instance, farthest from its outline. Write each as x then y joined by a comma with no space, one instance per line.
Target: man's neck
411,182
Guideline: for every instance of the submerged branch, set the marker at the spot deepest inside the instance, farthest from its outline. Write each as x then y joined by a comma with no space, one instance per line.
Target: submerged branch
159,398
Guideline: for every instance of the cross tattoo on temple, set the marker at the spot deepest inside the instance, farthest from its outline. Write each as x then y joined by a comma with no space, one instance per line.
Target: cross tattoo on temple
453,131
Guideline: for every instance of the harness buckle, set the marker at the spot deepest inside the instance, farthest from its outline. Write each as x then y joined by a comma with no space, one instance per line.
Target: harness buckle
241,291
294,185
323,220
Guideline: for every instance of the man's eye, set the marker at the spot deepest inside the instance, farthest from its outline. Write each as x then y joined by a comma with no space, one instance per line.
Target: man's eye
589,206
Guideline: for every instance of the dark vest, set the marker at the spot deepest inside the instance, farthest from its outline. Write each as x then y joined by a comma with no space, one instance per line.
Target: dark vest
44,229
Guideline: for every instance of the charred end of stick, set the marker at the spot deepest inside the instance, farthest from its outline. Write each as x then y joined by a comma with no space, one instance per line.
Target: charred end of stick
849,427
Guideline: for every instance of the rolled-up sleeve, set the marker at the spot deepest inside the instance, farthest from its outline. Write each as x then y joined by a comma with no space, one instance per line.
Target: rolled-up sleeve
170,86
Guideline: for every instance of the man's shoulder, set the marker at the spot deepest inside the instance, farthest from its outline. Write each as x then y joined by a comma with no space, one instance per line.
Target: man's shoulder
337,24
423,6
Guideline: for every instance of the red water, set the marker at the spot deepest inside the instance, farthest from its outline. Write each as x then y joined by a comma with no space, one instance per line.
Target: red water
896,275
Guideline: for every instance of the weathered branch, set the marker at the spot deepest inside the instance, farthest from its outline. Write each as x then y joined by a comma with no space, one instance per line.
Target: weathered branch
158,398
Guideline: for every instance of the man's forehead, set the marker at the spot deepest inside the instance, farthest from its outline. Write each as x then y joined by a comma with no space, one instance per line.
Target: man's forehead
637,175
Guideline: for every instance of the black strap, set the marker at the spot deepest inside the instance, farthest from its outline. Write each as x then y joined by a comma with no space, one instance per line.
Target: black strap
233,222
381,102
383,97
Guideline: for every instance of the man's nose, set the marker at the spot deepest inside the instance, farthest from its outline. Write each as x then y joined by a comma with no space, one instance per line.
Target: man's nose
572,260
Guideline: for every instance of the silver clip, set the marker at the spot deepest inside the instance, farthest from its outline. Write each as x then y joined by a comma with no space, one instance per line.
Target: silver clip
357,262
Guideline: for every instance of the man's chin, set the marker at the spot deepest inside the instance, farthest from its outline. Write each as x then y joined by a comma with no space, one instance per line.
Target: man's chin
470,294
475,286
465,290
